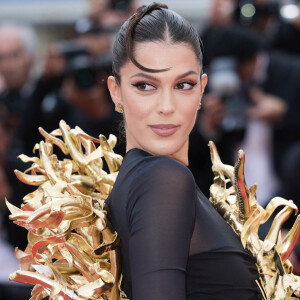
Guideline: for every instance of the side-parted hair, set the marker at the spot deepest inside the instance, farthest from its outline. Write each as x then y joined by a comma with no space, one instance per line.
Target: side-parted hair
152,23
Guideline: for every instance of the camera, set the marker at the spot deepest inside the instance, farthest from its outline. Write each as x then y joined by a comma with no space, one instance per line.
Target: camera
224,81
121,5
85,70
71,48
81,66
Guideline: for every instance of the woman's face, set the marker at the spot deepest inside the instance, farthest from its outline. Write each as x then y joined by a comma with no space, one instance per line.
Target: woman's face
160,108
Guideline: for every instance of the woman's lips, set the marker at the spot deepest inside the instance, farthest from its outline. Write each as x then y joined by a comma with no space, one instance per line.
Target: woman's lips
164,129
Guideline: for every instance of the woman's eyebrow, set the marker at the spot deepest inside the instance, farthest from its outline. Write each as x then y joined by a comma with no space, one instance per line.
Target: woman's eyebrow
145,76
156,79
187,73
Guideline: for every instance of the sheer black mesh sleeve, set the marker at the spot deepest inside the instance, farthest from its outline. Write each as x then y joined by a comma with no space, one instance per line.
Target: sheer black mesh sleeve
161,216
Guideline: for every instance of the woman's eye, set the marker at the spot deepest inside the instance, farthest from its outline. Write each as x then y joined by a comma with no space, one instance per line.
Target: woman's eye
185,85
144,86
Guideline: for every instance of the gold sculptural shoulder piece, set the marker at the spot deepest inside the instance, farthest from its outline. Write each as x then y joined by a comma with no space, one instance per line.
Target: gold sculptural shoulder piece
238,205
72,250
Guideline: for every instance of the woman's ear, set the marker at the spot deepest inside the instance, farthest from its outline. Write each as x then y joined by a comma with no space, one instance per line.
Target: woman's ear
114,89
203,83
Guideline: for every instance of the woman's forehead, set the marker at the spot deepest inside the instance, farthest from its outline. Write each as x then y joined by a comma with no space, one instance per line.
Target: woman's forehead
167,45
161,55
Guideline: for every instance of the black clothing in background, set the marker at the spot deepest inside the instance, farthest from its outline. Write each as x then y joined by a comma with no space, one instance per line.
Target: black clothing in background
291,182
15,103
174,244
282,80
199,160
287,38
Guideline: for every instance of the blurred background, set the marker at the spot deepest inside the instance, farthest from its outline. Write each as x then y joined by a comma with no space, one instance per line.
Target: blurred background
55,56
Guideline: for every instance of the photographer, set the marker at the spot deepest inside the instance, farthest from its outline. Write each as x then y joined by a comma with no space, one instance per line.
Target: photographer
73,88
261,110
84,91
108,14
287,37
17,61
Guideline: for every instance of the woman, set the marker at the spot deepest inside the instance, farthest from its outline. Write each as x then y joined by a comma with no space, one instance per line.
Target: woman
174,245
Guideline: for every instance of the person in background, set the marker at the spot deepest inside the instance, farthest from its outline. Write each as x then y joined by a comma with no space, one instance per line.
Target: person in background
71,87
287,37
17,61
107,14
5,188
222,15
257,91
17,57
8,261
80,97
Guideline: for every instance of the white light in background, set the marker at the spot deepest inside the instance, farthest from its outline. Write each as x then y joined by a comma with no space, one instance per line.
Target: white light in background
248,10
289,11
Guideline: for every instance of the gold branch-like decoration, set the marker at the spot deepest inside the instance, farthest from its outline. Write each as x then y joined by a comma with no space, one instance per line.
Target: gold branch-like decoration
72,250
238,205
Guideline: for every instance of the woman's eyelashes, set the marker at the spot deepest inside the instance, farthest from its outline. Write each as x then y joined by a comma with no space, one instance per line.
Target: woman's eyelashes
143,86
185,85
146,86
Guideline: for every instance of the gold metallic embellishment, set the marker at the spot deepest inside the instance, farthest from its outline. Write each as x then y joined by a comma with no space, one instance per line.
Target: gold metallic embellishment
73,251
239,207
199,106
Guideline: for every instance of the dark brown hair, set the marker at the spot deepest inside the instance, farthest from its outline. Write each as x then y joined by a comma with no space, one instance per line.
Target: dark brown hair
151,23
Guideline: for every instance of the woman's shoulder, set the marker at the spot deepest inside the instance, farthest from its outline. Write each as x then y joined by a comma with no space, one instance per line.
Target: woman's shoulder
146,165
162,183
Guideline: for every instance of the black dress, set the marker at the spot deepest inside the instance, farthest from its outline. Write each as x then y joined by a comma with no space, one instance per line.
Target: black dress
174,244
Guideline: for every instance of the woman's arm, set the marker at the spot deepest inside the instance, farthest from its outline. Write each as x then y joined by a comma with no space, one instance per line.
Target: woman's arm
161,221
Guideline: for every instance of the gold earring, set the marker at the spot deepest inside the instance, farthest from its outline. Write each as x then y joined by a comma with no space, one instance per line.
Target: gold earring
119,108
199,106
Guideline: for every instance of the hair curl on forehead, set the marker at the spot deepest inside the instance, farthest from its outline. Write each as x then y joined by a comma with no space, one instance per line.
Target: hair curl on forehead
153,23
134,19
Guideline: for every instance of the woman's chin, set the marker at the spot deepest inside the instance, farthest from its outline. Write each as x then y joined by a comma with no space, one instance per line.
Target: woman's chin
166,149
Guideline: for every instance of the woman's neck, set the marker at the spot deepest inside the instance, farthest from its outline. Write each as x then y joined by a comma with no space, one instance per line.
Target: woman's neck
180,156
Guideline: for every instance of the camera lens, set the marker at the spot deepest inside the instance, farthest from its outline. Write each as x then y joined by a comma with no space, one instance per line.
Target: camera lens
84,78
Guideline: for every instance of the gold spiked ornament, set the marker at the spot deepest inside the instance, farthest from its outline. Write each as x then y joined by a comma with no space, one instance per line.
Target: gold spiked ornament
73,251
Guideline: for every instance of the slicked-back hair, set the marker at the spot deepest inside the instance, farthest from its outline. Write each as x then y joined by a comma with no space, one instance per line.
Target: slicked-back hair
153,23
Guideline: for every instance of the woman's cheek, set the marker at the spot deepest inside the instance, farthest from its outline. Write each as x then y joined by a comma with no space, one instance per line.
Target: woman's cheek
191,109
140,109
135,111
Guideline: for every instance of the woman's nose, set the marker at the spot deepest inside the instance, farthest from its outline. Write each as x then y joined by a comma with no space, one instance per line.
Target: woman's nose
166,102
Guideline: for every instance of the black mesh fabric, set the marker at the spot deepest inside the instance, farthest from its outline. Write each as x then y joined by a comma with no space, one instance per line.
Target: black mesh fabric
174,244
